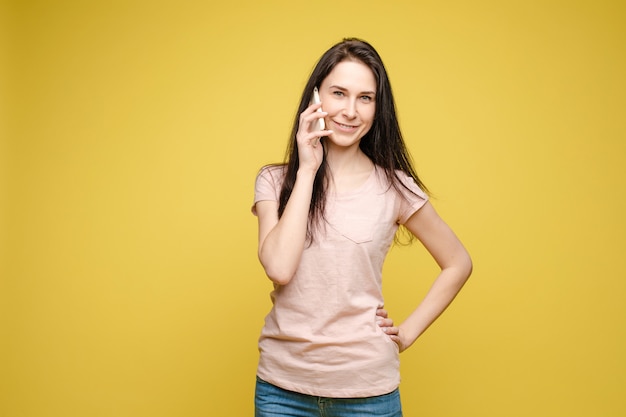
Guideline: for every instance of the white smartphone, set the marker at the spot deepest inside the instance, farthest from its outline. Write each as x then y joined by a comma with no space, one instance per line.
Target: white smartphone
320,125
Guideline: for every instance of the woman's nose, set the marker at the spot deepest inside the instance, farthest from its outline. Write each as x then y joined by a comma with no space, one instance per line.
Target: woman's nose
349,110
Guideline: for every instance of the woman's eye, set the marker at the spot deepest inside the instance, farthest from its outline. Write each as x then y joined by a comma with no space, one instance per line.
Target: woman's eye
338,93
366,98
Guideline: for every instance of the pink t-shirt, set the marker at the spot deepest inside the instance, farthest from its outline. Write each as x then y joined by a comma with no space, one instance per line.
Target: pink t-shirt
320,337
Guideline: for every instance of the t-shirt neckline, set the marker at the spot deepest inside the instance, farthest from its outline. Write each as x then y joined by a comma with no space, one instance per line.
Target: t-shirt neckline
365,185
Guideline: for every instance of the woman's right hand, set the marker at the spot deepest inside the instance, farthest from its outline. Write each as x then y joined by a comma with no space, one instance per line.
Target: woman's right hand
282,240
310,149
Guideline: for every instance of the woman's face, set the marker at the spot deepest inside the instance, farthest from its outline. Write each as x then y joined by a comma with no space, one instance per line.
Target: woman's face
348,95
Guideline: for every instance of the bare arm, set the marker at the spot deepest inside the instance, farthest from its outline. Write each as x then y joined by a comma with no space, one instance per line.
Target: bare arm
455,264
281,241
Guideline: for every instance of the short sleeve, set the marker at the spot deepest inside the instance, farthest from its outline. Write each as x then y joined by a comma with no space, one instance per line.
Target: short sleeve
412,198
268,184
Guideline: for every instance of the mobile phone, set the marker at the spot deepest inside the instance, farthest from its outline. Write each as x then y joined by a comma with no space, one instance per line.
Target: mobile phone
320,125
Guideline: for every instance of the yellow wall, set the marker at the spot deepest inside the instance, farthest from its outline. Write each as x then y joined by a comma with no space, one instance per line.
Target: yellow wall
131,286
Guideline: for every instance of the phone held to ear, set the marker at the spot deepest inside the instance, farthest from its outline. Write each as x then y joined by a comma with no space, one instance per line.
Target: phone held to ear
320,125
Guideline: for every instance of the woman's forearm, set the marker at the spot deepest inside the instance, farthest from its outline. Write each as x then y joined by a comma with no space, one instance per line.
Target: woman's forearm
281,250
439,297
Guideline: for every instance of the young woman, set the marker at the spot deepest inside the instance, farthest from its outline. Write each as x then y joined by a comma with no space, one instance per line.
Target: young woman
327,218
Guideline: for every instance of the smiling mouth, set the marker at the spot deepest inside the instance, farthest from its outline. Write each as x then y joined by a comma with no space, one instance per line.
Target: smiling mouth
345,126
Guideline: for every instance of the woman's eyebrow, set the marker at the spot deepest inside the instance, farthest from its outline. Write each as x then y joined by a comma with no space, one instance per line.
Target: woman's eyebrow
338,87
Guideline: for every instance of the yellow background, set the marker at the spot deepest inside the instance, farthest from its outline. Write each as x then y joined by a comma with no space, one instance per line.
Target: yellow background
131,135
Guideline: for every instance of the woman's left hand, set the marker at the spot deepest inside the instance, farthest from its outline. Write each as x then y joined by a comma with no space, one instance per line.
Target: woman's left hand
386,324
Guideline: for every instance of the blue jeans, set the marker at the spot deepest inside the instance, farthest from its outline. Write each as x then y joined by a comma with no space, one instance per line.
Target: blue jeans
272,401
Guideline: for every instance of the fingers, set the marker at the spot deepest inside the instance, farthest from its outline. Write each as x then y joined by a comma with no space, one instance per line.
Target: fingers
384,322
312,108
386,325
390,330
311,114
310,154
398,341
382,318
313,138
311,122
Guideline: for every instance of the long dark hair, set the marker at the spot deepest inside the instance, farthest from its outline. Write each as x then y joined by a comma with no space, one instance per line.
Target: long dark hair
383,143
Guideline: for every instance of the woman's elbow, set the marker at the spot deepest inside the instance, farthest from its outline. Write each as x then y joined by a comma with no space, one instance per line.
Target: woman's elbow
280,265
467,266
460,269
278,274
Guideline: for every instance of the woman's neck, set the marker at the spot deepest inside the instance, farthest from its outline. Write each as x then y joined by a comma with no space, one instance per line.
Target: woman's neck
349,169
348,161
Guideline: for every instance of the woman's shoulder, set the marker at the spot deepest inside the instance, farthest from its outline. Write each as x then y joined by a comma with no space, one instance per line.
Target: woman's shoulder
268,183
273,171
405,178
401,181
273,174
